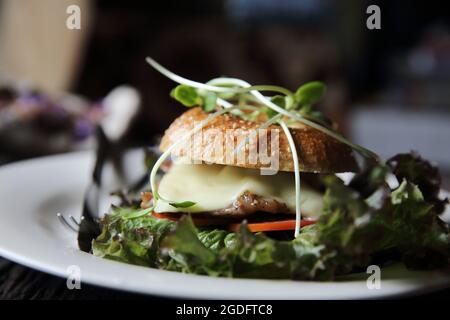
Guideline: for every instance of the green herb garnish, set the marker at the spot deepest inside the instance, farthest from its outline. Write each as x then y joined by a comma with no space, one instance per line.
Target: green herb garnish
136,214
186,95
310,93
184,204
209,102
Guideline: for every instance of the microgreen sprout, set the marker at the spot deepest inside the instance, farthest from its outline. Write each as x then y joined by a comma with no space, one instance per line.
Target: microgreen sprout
298,214
186,95
184,204
209,102
137,214
310,93
241,95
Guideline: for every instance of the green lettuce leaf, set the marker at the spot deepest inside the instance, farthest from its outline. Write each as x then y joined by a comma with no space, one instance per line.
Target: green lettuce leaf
364,222
134,241
413,168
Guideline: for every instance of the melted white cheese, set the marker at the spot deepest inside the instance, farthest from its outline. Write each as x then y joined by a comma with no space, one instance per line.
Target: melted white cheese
214,187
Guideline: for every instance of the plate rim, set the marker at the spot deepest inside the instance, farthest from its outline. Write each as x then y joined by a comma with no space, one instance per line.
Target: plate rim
57,271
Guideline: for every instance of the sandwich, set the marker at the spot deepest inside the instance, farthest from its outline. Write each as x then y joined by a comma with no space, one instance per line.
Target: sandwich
225,191
264,186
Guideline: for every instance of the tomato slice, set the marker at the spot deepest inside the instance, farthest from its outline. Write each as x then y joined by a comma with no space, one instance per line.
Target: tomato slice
271,225
164,216
253,227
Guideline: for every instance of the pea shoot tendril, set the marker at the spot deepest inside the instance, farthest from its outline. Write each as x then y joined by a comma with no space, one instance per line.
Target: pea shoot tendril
232,95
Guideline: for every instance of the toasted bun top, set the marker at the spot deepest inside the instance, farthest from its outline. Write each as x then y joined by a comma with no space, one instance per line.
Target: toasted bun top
317,152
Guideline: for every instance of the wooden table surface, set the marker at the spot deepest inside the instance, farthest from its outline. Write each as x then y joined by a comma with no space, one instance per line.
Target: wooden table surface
19,282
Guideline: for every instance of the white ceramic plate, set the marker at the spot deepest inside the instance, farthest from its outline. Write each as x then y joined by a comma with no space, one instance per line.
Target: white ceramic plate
32,192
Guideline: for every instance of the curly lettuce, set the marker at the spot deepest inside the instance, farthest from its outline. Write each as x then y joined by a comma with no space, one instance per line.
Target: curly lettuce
363,222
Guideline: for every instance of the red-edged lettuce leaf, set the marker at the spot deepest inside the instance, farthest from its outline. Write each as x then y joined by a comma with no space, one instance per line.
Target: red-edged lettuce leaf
413,168
361,223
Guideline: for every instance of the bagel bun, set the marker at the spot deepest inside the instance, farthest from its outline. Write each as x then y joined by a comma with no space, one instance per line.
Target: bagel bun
317,152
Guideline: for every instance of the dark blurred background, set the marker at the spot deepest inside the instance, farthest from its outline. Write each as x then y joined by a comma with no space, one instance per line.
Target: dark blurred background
388,89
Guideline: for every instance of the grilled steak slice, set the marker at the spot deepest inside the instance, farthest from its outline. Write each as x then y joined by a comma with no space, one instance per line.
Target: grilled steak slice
243,207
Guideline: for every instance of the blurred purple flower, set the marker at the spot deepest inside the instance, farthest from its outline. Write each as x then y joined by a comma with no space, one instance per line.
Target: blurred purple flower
83,129
32,100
